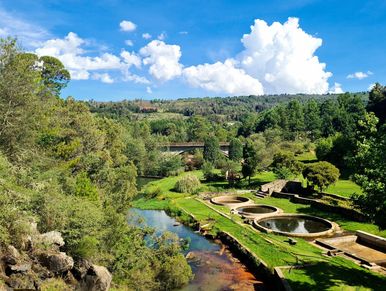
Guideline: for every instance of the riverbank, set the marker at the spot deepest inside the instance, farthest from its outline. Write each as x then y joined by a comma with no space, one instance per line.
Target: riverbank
301,264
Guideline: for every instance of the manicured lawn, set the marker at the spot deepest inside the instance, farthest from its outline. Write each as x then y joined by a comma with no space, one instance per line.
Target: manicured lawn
323,276
344,188
307,157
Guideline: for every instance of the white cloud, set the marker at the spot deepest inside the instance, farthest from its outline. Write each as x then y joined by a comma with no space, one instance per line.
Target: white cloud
104,78
223,78
129,42
371,86
131,59
162,36
70,52
127,25
31,35
163,60
146,35
183,32
149,90
336,89
281,57
359,75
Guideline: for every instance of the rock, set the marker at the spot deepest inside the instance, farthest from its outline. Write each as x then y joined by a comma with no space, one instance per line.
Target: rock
19,268
56,262
13,252
11,256
52,238
190,256
80,269
21,282
98,278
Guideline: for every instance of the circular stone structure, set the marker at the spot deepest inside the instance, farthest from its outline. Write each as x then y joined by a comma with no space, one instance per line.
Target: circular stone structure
296,225
257,210
231,201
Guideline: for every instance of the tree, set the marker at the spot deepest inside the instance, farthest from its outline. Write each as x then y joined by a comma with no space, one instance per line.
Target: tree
54,74
251,160
211,149
321,174
235,150
377,102
187,184
285,165
370,166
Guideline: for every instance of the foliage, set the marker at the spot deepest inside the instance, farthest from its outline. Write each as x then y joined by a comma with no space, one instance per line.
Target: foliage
285,165
187,184
211,149
321,174
235,150
371,170
377,102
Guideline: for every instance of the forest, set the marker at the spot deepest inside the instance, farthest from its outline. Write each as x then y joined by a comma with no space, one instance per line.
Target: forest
72,166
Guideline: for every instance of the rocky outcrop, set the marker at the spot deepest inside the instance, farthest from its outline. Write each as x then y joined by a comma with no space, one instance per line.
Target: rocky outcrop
29,265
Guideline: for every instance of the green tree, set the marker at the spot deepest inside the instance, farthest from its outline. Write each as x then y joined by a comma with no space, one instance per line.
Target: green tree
377,102
251,160
321,174
235,150
211,149
285,165
370,166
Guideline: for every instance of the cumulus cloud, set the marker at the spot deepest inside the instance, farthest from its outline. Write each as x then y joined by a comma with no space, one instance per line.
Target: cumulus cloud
281,57
223,78
162,59
104,78
359,75
149,90
70,52
146,35
336,89
127,25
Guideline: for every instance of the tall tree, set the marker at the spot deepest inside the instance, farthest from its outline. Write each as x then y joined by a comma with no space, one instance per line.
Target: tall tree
377,102
211,149
235,150
251,160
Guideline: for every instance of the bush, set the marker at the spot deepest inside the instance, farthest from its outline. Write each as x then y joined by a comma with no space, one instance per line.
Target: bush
188,184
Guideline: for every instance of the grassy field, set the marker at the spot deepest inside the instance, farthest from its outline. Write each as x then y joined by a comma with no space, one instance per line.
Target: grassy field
344,188
324,273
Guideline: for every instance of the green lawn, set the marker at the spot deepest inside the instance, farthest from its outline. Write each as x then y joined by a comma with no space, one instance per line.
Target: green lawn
344,188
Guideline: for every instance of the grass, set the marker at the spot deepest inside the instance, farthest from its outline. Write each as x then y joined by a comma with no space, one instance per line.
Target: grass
307,157
324,273
344,188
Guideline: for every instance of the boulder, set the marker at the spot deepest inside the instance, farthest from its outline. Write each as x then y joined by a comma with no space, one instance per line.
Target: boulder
98,278
80,268
11,256
52,238
56,262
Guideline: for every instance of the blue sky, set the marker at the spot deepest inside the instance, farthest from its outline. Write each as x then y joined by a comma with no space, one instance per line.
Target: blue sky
195,48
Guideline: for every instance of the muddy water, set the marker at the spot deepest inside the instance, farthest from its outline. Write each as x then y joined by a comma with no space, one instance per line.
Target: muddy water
213,265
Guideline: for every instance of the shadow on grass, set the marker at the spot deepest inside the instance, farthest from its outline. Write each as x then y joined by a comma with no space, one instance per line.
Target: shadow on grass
326,275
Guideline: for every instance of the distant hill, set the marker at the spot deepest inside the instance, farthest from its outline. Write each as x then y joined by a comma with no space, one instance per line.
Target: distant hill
231,107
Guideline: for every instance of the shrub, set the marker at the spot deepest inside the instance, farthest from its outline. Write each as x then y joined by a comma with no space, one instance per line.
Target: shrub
187,184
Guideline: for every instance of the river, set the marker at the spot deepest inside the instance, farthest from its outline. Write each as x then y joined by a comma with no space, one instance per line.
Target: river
213,265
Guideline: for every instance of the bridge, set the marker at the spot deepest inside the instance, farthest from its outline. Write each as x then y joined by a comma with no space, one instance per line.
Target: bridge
180,148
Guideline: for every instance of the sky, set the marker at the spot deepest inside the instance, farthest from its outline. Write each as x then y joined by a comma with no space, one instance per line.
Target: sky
122,49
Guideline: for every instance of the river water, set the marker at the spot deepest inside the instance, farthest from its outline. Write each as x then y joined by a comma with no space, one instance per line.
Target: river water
213,265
